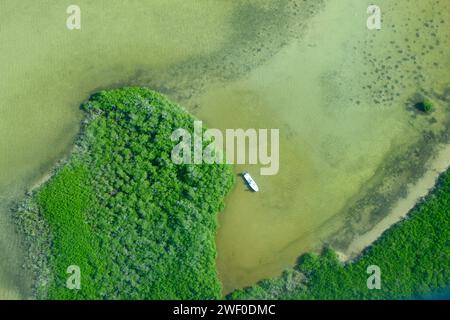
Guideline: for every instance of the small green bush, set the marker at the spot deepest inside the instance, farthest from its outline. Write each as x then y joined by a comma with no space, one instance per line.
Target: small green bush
425,106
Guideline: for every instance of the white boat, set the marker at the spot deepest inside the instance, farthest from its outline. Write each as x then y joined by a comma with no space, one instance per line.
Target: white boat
251,183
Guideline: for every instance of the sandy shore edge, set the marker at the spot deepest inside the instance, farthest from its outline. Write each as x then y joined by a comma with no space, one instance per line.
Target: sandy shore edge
400,210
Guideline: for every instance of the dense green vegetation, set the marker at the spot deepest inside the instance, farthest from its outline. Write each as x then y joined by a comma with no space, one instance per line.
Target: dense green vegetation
64,204
137,225
414,258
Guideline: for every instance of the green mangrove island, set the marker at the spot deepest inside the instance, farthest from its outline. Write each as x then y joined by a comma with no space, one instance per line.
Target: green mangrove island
136,224
139,226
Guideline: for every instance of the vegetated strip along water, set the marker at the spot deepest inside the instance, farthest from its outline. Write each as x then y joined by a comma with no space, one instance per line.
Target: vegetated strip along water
339,93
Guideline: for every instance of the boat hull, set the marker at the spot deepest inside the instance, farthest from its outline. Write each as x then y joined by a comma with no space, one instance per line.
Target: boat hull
250,182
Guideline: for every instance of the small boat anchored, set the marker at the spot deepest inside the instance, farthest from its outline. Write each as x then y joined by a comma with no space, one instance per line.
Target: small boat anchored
250,182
